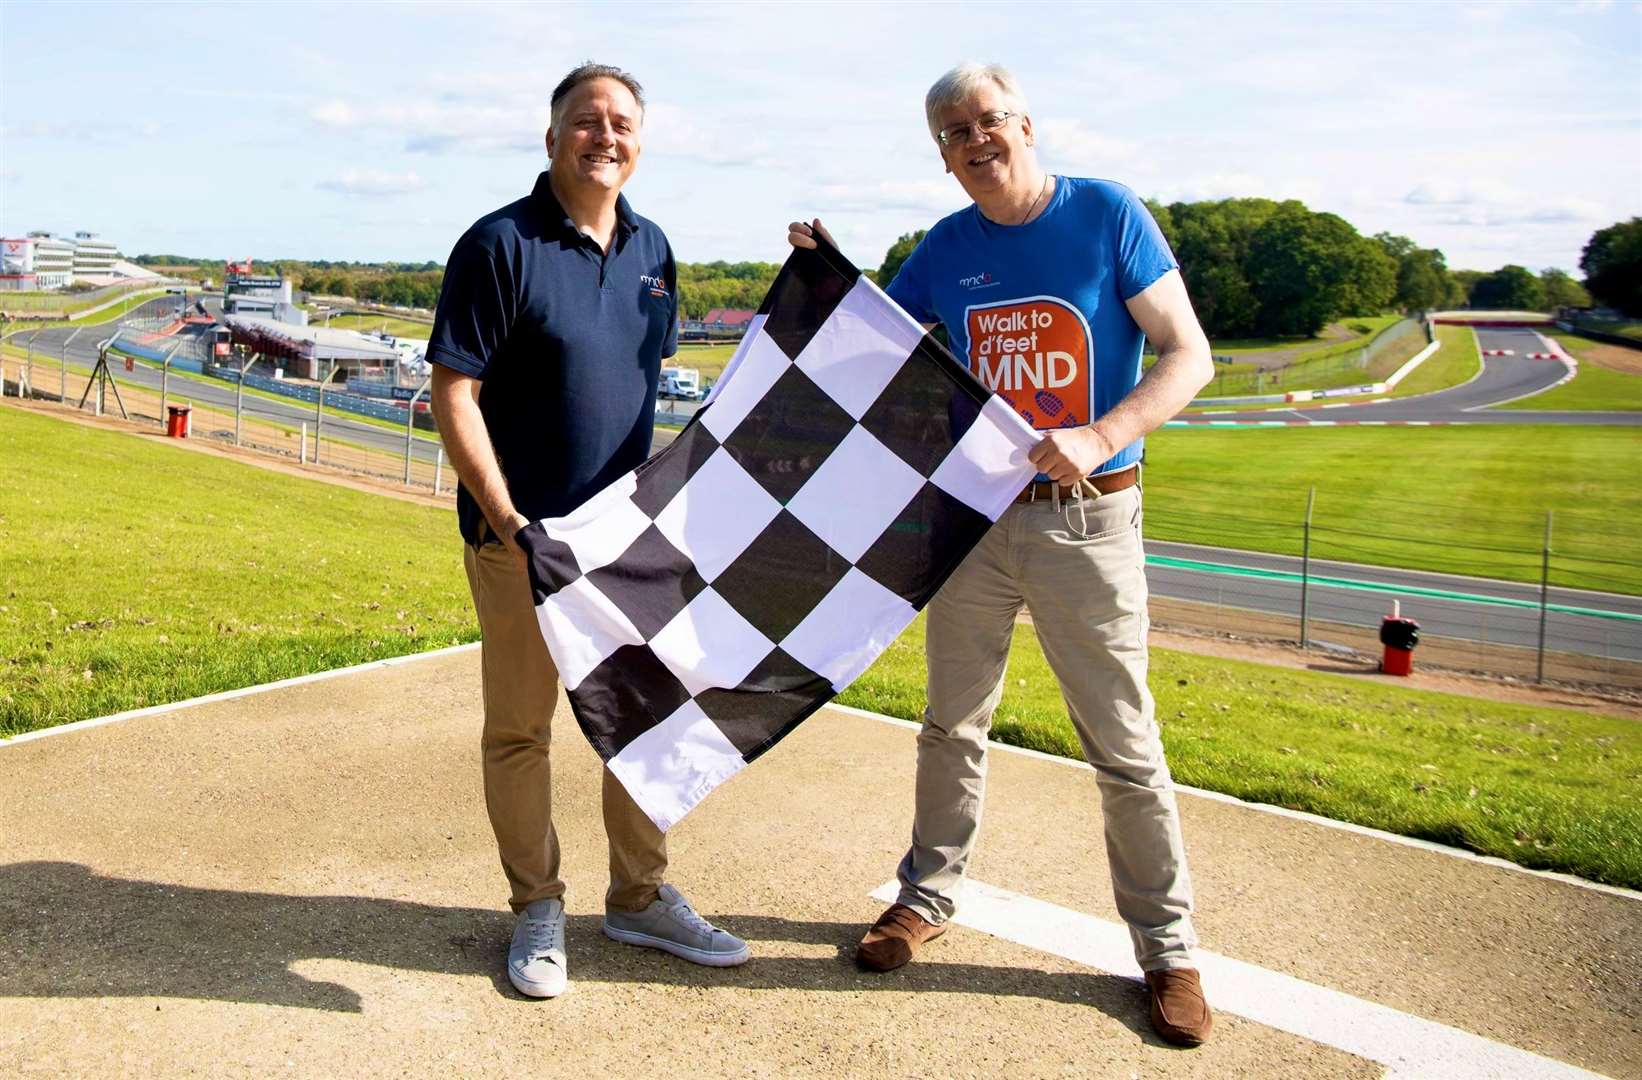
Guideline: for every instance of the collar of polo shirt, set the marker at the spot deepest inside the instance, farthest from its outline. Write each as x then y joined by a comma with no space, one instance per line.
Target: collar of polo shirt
554,210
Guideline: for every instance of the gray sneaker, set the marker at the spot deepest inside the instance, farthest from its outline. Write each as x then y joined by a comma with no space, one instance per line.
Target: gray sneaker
672,925
535,961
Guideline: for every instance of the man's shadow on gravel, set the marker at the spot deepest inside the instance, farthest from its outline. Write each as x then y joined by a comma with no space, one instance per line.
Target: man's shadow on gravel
66,931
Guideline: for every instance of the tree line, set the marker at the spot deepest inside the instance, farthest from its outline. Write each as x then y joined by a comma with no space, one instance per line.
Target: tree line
1253,268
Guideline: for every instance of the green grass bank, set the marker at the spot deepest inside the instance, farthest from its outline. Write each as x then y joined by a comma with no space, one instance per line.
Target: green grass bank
140,573
1451,499
1546,788
1596,387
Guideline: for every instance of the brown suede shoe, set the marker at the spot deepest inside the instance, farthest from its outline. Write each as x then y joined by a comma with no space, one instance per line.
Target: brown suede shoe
1179,1013
895,938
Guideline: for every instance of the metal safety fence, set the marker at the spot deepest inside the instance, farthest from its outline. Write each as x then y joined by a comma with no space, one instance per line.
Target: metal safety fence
1542,596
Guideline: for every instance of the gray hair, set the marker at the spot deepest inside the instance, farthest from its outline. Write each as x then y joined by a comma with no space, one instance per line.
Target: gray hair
587,73
961,82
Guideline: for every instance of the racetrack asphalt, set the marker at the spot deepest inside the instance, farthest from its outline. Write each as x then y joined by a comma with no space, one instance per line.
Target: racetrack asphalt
303,880
1503,378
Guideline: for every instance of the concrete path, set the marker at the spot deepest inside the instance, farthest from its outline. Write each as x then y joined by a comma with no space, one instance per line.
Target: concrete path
302,881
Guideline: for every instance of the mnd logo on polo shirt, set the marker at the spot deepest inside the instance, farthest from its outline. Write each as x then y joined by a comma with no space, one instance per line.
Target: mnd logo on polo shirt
656,285
1037,354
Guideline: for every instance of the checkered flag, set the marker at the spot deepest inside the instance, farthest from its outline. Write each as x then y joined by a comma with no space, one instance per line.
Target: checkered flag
704,604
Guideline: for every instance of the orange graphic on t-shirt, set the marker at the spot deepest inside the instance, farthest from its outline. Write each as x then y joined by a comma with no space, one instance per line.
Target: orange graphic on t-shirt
1035,354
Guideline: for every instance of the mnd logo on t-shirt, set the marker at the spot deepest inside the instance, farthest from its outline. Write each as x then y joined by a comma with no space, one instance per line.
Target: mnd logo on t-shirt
1036,353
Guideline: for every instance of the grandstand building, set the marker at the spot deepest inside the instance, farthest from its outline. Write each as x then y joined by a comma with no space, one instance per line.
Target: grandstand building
36,261
312,352
94,257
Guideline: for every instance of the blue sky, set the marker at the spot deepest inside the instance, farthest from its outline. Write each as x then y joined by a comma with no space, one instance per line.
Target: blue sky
1497,132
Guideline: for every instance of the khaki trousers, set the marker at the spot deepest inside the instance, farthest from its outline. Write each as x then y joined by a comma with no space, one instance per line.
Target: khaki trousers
521,689
1081,572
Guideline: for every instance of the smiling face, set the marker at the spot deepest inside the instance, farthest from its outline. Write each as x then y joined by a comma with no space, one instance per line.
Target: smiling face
988,161
596,141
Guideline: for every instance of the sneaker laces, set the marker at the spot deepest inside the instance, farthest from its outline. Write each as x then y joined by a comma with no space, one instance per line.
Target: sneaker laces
687,915
542,937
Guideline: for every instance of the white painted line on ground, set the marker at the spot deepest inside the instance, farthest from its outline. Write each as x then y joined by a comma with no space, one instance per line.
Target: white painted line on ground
229,695
1283,811
1407,1045
1339,405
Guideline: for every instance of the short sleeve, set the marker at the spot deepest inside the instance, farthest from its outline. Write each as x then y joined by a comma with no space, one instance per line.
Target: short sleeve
1143,254
669,344
910,288
475,310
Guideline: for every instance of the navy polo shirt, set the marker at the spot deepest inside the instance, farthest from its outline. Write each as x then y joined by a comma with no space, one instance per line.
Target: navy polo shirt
567,342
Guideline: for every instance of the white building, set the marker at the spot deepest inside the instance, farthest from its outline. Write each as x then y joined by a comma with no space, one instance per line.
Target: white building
94,256
36,261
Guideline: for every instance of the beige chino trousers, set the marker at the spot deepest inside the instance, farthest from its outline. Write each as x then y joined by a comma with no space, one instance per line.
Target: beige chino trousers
1080,570
521,690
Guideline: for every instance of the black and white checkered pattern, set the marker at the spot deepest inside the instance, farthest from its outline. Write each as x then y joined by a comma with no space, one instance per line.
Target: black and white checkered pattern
704,604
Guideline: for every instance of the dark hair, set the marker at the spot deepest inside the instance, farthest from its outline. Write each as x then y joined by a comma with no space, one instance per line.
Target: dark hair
586,73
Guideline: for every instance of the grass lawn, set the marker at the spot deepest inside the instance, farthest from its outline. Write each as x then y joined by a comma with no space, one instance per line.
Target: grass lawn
1630,328
1457,360
1330,364
710,360
1452,364
140,573
189,574
1547,788
1452,499
365,321
56,301
1357,328
113,313
1595,388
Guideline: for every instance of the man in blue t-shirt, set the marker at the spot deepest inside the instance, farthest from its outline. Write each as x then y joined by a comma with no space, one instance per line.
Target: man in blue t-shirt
1047,286
554,317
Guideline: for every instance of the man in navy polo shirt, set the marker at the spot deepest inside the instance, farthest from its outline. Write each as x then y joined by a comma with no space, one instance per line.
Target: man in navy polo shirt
555,315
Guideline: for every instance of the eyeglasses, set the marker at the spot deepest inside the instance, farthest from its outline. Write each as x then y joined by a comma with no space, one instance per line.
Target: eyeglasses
958,134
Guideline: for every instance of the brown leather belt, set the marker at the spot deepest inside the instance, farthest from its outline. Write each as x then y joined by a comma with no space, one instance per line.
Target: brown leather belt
1105,483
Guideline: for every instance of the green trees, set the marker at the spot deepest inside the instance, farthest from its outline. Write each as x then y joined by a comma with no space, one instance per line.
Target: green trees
1423,282
1612,262
1561,290
1511,287
704,286
1307,269
1260,267
897,254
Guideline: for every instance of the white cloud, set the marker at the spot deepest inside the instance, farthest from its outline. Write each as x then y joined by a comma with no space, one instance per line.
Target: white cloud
929,197
437,127
1070,144
1491,203
373,183
674,132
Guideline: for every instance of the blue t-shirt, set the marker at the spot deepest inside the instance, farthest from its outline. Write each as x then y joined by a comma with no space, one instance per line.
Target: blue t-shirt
567,342
1037,310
